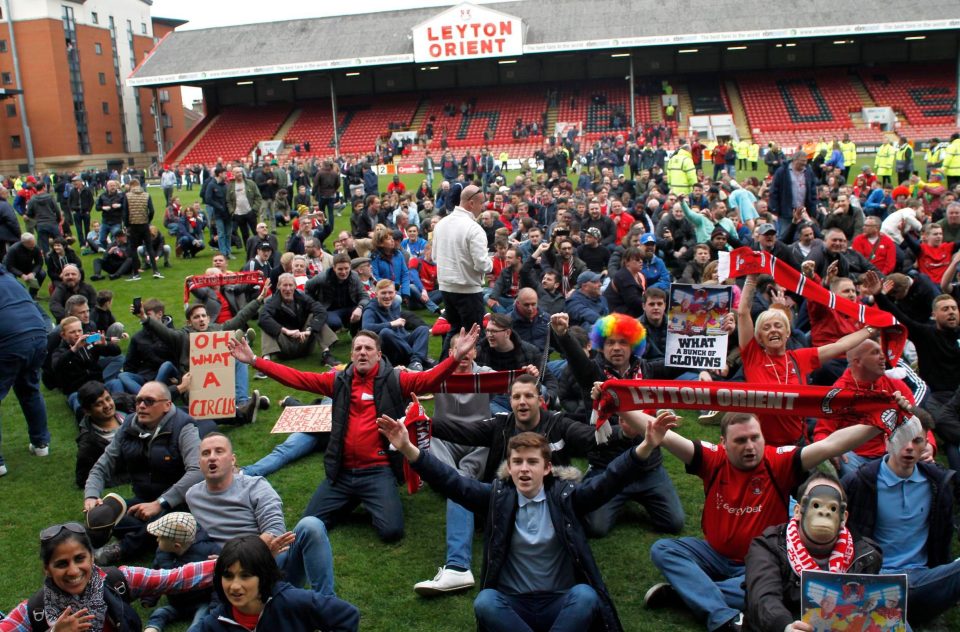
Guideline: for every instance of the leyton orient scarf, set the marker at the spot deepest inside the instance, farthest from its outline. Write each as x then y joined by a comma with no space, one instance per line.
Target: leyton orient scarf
419,425
800,559
807,401
744,261
219,280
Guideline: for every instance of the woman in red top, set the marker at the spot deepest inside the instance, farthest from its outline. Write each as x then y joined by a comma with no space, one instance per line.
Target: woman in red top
766,360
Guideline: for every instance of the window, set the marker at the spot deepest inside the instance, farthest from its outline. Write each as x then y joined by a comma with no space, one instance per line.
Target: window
5,77
102,78
98,48
11,110
109,138
143,28
106,107
94,17
3,46
15,141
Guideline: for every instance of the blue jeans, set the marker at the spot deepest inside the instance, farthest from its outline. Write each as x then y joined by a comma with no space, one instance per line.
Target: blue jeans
133,381
224,233
710,584
556,367
932,591
165,615
296,446
45,233
309,559
404,347
242,389
112,386
108,229
469,461
375,488
20,363
655,491
337,319
326,205
854,461
570,611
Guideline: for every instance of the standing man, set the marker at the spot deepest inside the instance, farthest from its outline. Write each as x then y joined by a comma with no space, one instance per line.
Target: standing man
428,167
79,203
23,347
356,461
110,204
460,250
137,215
904,160
244,200
215,196
792,191
43,213
168,180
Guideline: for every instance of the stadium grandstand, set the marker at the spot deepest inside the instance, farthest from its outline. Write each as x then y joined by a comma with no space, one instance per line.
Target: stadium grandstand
472,76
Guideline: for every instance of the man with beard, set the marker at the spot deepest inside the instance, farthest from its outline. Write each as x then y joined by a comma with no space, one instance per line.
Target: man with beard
70,285
817,539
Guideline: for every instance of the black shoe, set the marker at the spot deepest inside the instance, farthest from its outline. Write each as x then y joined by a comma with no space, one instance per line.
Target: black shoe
661,595
264,403
247,413
733,625
114,277
328,359
96,277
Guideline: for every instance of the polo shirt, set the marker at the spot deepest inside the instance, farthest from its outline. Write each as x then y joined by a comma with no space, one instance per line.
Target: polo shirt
537,561
903,516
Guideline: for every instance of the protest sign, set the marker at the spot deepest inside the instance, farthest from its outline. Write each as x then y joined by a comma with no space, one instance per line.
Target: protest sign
847,601
695,338
213,372
304,419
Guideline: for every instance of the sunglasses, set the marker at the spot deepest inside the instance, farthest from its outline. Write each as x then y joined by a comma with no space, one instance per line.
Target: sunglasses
149,401
53,531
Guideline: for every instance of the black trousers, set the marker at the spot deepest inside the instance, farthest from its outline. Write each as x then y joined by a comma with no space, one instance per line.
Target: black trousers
139,235
462,310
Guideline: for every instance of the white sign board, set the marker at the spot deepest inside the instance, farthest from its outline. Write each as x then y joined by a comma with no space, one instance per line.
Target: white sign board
467,31
695,337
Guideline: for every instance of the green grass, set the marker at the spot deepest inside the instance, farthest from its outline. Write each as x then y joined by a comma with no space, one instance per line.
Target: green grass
378,578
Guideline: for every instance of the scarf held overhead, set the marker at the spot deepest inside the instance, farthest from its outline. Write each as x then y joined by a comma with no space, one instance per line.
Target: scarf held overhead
419,425
744,261
808,401
219,280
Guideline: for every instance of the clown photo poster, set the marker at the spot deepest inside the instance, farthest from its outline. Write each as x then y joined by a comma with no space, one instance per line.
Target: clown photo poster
695,338
842,601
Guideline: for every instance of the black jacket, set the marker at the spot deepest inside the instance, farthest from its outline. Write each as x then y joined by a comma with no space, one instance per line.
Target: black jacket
75,368
523,354
9,224
58,300
568,503
80,201
303,312
332,293
773,589
147,352
55,264
105,203
861,489
21,260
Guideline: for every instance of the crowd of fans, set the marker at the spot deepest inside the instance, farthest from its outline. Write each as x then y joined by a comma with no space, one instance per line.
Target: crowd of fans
561,277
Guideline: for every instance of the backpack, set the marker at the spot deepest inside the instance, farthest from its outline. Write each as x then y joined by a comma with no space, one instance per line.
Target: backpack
114,581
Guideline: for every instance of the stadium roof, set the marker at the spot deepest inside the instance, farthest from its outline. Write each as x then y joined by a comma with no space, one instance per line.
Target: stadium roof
351,41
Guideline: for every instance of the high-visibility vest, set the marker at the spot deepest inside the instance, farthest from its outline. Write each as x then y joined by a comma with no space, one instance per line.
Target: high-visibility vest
951,159
823,146
883,163
681,172
849,149
754,152
934,155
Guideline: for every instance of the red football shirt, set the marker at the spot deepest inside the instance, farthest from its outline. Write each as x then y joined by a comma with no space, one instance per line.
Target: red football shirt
761,368
740,504
934,260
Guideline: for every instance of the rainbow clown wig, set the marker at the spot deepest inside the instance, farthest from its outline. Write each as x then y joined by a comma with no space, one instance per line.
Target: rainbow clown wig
621,326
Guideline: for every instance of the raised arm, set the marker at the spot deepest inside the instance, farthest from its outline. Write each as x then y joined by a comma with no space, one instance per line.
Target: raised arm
841,346
744,317
659,433
838,443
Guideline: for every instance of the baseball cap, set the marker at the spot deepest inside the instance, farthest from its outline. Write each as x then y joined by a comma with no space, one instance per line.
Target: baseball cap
588,276
648,238
767,228
719,231
179,526
594,232
264,245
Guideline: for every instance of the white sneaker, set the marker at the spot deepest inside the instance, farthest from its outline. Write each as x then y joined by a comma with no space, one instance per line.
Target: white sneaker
3,470
39,450
446,581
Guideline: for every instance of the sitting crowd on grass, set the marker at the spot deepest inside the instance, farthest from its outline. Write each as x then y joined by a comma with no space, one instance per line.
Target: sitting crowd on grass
542,290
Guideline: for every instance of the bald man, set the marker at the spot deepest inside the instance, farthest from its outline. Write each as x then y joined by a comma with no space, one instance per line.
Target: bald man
866,370
71,284
460,250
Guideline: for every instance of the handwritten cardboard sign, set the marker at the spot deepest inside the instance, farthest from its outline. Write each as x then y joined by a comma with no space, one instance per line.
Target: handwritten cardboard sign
304,419
213,387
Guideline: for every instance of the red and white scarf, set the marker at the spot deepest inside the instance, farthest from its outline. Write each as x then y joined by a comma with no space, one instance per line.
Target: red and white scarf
800,559
807,401
420,427
744,261
219,280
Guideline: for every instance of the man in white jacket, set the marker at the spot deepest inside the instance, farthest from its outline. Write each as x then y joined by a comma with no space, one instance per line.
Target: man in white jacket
460,250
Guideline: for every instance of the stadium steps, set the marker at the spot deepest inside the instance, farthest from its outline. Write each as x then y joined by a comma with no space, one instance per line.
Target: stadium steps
656,110
193,137
737,110
684,109
553,115
421,113
862,92
291,120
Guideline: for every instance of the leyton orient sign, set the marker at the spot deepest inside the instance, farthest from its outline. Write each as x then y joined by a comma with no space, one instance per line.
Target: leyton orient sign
467,31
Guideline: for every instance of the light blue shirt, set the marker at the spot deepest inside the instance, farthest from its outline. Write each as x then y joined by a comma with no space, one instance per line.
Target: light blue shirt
537,561
903,515
743,201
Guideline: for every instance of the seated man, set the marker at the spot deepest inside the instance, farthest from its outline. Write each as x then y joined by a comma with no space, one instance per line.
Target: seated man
907,506
816,538
100,423
747,486
503,350
229,504
292,322
528,320
586,305
77,360
341,294
116,261
540,570
383,317
159,446
71,284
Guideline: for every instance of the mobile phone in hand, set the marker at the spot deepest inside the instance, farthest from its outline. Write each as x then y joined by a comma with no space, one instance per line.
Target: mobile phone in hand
94,338
137,304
